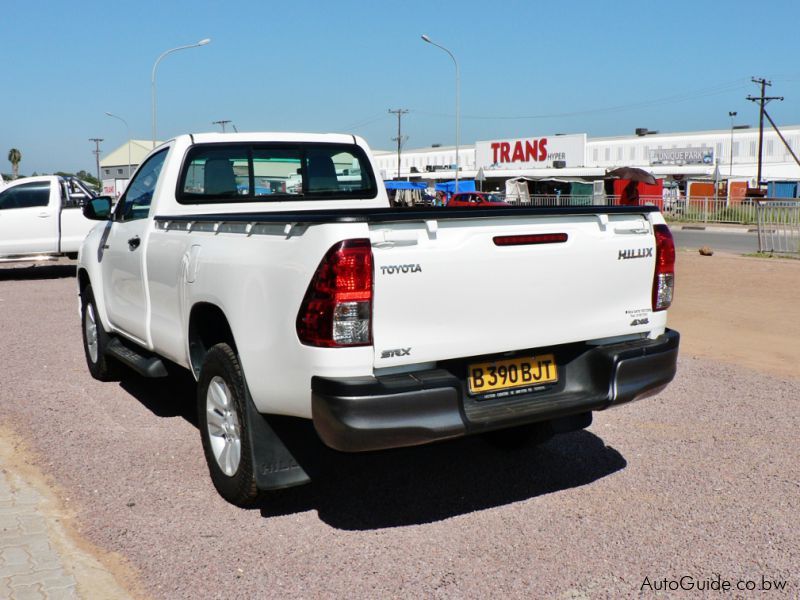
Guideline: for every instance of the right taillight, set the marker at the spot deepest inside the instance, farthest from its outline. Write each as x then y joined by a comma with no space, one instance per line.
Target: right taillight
664,278
337,308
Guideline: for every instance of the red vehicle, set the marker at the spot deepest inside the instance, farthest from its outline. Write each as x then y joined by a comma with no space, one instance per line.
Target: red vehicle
476,199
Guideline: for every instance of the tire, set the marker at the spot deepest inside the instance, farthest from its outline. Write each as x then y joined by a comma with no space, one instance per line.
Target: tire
224,428
95,340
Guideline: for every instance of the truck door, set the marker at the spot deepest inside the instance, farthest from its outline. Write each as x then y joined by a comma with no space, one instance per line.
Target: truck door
122,263
29,218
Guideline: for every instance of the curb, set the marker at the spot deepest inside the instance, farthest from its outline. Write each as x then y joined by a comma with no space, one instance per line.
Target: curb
715,229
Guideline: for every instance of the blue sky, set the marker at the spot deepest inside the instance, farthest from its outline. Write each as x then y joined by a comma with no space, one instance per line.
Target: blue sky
527,68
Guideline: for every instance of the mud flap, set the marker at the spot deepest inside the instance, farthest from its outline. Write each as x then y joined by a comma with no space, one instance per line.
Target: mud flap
273,464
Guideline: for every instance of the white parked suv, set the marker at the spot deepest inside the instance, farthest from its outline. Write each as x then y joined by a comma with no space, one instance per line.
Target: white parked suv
271,266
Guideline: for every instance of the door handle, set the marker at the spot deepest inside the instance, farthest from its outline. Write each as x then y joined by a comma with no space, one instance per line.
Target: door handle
134,242
43,215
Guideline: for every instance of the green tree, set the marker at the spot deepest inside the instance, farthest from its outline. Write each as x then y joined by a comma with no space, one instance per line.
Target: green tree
88,177
15,157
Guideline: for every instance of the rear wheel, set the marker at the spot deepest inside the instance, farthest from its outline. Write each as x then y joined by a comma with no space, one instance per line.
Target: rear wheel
222,416
95,340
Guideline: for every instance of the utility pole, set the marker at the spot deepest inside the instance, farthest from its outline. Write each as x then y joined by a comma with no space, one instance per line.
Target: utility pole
762,101
731,114
96,153
399,112
222,123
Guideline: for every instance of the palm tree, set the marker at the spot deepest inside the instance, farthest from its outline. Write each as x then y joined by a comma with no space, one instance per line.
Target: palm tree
15,157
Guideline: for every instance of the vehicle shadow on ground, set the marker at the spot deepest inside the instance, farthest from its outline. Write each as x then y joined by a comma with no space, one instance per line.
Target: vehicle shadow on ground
407,486
37,272
172,396
412,486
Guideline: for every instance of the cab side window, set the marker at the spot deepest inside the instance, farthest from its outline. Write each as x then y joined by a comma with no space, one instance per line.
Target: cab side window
135,203
26,195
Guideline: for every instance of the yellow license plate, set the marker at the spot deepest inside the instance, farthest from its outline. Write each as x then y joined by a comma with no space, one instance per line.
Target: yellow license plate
523,371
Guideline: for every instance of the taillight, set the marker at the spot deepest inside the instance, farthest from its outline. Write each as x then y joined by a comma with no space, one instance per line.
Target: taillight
664,278
337,307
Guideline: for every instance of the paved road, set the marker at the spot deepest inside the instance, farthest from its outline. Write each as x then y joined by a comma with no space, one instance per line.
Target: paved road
738,242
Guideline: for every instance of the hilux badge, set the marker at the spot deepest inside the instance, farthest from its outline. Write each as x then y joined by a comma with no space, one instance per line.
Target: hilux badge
635,253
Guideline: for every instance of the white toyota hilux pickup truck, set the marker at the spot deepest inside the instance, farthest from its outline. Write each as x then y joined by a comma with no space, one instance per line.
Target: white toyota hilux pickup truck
41,219
272,267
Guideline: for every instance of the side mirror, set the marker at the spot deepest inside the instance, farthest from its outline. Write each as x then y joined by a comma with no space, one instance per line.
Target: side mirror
98,209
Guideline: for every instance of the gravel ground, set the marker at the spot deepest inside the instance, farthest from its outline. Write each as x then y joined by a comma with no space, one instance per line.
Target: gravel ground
701,481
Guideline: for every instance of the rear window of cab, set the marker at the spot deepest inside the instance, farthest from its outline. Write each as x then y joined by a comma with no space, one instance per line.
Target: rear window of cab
219,173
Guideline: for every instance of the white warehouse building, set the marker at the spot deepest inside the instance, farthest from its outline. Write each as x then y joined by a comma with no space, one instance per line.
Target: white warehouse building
717,154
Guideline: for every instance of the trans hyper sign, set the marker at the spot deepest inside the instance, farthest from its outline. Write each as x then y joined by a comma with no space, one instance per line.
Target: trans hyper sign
531,152
534,150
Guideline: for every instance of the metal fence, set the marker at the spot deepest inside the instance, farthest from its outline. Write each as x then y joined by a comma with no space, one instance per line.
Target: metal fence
555,200
781,216
711,209
779,227
572,200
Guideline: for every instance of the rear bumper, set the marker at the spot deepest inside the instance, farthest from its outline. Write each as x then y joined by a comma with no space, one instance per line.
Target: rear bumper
374,413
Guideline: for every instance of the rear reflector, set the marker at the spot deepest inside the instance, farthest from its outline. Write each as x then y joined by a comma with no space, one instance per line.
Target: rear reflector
337,308
527,240
664,277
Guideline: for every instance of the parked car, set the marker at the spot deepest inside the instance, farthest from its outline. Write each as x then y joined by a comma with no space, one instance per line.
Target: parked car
41,218
476,199
324,303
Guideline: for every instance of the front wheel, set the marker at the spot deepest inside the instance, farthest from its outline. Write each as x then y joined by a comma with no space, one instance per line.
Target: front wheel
222,416
95,340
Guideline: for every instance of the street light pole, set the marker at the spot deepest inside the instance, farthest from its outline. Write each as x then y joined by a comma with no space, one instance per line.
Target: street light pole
731,114
129,139
202,42
458,98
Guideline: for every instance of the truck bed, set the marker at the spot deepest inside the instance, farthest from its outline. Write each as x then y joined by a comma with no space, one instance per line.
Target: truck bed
386,215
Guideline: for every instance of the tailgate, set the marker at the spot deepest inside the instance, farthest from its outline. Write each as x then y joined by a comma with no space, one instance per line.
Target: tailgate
445,289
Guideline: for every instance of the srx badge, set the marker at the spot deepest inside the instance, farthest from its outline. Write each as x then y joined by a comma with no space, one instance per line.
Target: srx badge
395,352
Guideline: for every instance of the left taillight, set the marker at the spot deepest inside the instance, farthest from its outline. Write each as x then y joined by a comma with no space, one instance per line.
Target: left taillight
337,308
664,278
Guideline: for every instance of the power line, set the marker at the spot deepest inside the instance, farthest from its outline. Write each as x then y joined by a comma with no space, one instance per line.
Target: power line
783,139
715,90
222,123
367,121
